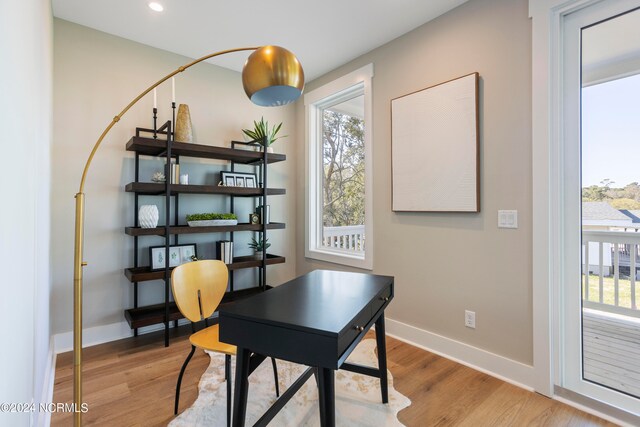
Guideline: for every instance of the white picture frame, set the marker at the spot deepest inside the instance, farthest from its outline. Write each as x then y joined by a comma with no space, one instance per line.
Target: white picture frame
186,253
238,179
178,255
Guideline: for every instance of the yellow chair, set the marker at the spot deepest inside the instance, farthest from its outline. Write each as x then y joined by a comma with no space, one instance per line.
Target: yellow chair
198,288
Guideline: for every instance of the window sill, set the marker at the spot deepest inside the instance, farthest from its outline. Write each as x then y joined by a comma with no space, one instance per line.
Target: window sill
340,257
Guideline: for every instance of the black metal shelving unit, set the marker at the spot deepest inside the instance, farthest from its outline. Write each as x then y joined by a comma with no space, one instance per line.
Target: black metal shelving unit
142,146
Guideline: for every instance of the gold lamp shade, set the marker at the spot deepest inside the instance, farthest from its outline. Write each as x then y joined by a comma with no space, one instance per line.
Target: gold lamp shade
272,76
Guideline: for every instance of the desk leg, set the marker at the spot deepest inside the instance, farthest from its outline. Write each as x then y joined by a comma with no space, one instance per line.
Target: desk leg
243,357
382,357
327,397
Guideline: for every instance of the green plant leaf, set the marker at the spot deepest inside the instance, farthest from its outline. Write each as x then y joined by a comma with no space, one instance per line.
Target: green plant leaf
261,130
259,246
210,216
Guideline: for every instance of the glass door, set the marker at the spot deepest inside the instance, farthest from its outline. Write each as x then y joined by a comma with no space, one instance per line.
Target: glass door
600,327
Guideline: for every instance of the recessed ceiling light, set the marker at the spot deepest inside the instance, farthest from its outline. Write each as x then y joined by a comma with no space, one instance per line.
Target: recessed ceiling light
156,6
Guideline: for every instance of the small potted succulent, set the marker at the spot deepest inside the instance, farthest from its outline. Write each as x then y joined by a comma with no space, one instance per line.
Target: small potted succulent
261,133
259,246
209,219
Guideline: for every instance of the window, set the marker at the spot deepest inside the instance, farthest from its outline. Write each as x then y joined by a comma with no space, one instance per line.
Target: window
339,158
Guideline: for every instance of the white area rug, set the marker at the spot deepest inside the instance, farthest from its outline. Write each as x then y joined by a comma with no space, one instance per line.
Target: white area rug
358,401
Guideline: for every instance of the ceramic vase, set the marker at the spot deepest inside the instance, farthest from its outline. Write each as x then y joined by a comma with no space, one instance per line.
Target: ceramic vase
148,216
184,131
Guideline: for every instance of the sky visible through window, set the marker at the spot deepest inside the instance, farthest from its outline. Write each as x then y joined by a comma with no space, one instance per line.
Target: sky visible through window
611,132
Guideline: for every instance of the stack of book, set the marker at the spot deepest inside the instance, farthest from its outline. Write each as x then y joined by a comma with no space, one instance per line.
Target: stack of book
224,250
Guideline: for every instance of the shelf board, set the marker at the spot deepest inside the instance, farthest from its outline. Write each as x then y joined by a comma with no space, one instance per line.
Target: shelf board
250,261
154,314
150,315
185,229
156,147
143,274
158,188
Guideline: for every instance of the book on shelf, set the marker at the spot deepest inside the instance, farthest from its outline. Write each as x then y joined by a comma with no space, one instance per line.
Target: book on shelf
175,173
224,251
264,214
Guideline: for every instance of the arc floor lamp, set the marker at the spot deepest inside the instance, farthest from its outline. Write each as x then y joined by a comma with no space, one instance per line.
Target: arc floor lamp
271,76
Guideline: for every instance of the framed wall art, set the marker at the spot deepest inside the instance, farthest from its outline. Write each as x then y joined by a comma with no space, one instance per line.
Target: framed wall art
238,179
178,254
435,148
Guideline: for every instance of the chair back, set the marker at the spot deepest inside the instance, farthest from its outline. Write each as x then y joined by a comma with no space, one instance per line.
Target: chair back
198,287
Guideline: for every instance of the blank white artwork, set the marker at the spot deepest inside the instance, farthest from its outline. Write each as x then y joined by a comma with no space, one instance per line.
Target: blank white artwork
434,148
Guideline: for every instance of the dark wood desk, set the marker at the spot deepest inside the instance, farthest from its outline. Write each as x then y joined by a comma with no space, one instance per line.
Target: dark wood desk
315,320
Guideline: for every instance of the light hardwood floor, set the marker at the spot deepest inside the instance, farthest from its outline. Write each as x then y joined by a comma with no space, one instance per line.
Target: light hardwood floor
131,382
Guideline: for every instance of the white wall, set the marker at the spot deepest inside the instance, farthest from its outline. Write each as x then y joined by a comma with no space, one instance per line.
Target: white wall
25,118
445,263
95,76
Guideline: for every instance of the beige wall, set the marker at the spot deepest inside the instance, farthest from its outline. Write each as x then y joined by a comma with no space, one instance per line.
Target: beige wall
95,76
446,263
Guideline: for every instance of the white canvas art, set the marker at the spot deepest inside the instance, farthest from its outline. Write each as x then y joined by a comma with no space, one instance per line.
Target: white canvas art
434,148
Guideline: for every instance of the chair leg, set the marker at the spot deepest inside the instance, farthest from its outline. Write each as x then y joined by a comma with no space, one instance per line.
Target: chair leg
184,366
275,376
227,377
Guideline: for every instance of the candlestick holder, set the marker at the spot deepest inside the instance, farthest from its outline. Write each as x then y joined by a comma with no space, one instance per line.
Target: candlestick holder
173,119
155,123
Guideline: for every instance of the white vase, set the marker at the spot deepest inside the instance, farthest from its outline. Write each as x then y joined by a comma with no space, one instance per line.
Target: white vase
148,216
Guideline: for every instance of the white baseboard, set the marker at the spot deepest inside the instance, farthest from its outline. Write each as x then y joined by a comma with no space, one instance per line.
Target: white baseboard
516,373
102,334
93,336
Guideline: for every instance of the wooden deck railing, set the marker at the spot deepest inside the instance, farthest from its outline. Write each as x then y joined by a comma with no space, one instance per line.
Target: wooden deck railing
610,259
350,238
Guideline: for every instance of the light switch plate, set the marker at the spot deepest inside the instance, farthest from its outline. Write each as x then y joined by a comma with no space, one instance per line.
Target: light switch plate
507,219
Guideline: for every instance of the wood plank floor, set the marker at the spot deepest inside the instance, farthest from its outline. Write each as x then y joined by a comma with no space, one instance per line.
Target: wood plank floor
612,350
131,382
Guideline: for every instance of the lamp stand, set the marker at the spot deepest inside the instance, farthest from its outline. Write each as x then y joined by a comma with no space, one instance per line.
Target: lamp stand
78,263
272,67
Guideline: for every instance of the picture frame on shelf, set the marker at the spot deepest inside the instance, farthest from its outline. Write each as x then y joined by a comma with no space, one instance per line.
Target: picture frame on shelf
239,179
178,254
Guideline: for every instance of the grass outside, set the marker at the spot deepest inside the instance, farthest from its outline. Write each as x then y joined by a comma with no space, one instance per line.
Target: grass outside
624,291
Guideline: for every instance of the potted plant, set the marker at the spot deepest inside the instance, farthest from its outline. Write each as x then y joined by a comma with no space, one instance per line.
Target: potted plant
208,219
259,246
261,133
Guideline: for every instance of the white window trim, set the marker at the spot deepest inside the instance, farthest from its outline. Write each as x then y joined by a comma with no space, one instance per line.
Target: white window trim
313,199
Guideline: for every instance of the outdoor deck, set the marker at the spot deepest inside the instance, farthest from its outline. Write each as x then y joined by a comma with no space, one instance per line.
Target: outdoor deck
611,348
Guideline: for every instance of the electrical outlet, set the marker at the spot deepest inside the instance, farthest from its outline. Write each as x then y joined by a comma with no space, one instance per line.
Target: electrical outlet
470,319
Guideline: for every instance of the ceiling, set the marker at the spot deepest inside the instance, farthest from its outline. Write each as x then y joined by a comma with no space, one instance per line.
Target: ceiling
610,49
323,34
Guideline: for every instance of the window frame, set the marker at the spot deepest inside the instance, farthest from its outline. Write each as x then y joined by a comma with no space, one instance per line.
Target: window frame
343,88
